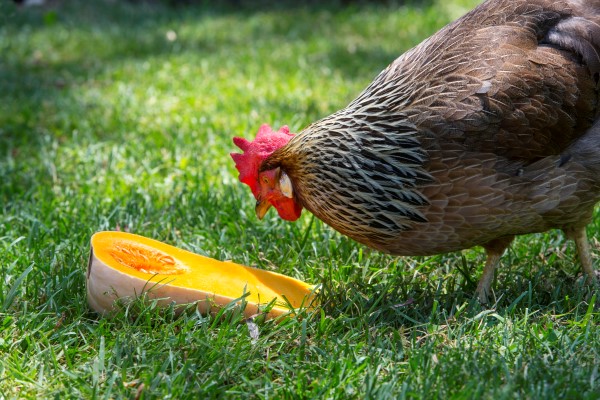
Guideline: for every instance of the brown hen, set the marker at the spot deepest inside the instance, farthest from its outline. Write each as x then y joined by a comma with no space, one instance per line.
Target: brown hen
486,130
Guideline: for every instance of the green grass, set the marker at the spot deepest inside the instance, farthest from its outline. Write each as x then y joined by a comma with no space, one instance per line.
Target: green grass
105,123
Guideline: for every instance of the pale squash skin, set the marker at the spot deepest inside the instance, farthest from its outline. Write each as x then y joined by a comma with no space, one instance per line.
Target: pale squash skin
122,266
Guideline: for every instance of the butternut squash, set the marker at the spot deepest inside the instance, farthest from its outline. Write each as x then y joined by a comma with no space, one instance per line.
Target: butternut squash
123,266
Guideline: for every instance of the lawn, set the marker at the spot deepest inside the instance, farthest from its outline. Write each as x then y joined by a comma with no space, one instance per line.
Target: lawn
119,115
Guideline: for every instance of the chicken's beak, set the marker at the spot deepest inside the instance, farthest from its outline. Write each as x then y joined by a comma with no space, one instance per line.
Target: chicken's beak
262,206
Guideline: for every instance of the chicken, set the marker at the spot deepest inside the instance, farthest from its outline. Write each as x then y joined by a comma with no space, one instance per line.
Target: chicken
486,130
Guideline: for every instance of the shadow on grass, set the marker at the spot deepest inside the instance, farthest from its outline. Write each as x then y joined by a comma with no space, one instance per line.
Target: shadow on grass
438,295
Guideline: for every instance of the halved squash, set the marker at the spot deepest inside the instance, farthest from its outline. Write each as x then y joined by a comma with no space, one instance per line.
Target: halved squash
123,266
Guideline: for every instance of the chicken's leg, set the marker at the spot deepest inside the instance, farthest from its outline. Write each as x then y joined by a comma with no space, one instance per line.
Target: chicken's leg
579,236
493,250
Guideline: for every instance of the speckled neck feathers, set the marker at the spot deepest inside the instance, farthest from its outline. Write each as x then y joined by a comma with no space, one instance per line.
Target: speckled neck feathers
360,169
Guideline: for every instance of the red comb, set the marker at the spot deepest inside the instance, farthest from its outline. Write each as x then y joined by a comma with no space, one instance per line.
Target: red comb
254,152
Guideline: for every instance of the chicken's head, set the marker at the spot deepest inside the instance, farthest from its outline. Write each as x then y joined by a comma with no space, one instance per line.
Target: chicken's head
271,187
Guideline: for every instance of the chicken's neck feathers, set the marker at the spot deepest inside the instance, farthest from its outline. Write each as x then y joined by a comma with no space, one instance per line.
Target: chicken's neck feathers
361,165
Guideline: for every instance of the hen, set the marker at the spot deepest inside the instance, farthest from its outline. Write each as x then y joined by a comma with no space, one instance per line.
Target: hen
486,130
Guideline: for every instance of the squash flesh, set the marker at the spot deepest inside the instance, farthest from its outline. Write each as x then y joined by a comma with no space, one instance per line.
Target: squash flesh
158,264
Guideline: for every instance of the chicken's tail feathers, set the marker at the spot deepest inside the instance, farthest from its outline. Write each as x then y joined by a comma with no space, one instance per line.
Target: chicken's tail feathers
580,34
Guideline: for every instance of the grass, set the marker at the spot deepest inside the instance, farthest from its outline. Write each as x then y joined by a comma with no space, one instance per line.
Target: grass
117,115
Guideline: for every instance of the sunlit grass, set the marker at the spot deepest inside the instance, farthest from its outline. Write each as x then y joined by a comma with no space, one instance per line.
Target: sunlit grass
117,115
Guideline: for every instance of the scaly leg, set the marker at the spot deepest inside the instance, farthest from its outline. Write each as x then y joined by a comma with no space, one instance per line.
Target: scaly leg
485,282
494,251
579,235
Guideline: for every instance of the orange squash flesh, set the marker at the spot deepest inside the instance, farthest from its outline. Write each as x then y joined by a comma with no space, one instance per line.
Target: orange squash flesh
123,266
